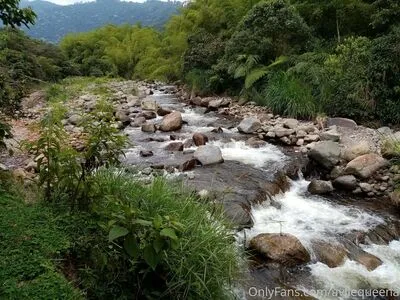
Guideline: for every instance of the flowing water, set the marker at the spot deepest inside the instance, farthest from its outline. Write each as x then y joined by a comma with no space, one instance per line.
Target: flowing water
309,218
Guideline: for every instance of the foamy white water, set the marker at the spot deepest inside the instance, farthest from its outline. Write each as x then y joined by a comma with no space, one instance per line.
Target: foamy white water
309,217
352,276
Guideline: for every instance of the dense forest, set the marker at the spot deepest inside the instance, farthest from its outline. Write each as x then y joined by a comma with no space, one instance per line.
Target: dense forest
54,21
299,57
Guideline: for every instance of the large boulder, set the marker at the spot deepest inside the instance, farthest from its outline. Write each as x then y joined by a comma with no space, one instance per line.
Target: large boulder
249,125
171,122
341,122
282,248
366,165
333,255
320,187
346,182
199,139
149,104
356,150
208,155
326,153
123,117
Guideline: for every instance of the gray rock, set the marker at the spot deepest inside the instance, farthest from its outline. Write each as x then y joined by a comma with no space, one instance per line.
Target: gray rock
138,121
208,155
319,187
330,135
161,111
366,187
133,101
146,153
385,131
217,103
311,138
366,165
174,146
123,116
356,150
341,122
325,153
149,104
346,182
281,132
148,115
150,128
75,119
249,125
291,123
171,122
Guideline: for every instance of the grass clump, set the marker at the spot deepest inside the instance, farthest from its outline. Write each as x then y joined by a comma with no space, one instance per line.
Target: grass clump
162,242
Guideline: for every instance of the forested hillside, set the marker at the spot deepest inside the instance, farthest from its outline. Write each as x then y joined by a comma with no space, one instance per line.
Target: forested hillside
299,57
54,21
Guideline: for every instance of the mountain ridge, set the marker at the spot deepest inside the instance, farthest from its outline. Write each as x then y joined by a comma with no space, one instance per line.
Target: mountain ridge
55,21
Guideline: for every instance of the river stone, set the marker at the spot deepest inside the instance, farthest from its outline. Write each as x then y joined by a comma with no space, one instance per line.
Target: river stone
3,168
255,142
326,153
175,146
146,153
285,249
123,117
75,119
237,186
282,132
171,122
249,125
346,182
385,131
208,155
217,103
330,135
133,101
199,139
188,165
333,255
366,165
319,187
149,127
310,138
148,115
366,187
290,123
371,262
395,197
149,104
138,121
356,150
341,122
161,111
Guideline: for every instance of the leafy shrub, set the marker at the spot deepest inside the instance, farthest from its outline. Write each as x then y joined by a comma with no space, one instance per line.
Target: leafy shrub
288,96
162,242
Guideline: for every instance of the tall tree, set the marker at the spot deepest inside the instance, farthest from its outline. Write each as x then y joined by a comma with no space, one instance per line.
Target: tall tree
12,15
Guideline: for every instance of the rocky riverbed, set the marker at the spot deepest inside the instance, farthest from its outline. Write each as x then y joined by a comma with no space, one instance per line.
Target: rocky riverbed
336,228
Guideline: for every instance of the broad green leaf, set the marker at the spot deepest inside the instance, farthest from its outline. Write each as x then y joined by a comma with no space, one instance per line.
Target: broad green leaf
151,257
158,244
143,222
157,222
116,232
131,246
169,232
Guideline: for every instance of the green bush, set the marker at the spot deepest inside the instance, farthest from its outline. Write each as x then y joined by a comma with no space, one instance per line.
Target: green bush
288,96
162,242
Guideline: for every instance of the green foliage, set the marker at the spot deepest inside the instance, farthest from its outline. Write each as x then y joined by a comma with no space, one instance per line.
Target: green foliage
12,15
288,96
5,133
64,172
160,241
31,245
384,73
271,29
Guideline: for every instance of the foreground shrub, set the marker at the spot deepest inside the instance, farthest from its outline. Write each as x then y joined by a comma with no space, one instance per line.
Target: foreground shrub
162,243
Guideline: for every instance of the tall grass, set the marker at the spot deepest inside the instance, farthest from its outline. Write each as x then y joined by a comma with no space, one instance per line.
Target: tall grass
206,261
287,96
